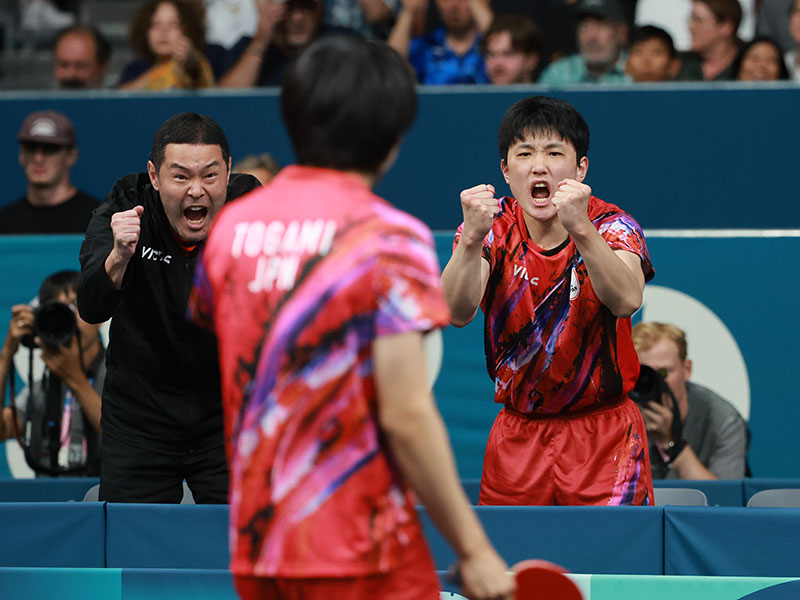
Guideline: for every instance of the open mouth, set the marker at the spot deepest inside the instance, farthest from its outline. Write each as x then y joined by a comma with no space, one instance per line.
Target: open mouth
195,215
540,192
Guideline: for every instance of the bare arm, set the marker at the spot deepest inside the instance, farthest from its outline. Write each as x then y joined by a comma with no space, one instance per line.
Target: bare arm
402,32
616,275
482,13
21,323
465,276
418,441
375,11
687,466
464,282
245,72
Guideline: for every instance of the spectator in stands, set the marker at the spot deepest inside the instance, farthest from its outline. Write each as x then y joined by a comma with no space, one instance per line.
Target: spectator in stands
80,58
449,54
261,166
371,18
652,56
792,58
47,151
169,37
284,30
714,441
512,48
58,416
760,60
228,23
558,273
712,25
772,22
601,33
330,422
162,415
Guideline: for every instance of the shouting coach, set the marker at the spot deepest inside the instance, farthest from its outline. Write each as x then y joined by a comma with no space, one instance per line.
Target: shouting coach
162,414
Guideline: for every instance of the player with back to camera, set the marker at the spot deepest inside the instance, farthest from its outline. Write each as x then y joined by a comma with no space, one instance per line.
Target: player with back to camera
320,293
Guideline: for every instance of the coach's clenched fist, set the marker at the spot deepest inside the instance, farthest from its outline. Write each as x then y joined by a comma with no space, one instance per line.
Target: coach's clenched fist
125,227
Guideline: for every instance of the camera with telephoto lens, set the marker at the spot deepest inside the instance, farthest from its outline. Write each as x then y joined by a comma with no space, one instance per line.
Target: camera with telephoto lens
650,386
54,323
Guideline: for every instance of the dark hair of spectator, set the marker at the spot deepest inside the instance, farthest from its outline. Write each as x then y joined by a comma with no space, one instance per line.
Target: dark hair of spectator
188,128
192,17
101,46
651,32
546,116
346,102
783,71
55,284
524,32
726,10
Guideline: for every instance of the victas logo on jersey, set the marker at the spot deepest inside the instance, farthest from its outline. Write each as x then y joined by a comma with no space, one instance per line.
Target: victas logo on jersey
521,271
156,255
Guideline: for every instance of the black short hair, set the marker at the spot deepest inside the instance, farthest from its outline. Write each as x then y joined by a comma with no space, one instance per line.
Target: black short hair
783,70
543,115
188,128
53,285
346,102
645,33
523,31
102,46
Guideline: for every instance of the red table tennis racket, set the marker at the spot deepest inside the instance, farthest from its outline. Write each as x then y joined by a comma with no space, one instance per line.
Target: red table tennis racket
542,580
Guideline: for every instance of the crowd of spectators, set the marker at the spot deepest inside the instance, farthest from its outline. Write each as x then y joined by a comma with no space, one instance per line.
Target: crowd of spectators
190,44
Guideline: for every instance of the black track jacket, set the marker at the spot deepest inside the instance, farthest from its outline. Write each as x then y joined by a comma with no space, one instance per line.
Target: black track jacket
162,387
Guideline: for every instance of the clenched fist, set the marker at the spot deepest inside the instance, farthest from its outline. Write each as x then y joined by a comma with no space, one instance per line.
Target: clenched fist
572,203
480,208
126,226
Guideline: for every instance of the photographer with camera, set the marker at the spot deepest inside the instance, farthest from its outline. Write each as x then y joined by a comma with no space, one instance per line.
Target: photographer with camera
58,416
694,433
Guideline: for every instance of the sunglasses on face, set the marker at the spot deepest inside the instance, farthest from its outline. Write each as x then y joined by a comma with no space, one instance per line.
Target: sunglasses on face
47,149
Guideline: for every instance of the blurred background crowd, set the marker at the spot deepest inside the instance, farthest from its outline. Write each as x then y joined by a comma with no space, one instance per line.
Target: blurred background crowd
191,44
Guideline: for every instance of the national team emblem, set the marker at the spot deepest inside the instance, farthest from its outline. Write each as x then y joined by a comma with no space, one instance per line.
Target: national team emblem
574,285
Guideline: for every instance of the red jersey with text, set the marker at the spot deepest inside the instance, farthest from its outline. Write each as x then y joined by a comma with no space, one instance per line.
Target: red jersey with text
298,279
551,346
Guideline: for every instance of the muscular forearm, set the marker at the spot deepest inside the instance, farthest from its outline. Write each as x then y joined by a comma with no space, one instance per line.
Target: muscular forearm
400,37
463,281
420,447
245,72
614,280
687,466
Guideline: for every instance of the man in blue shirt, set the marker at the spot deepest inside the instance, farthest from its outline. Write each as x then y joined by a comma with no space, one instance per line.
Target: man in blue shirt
449,54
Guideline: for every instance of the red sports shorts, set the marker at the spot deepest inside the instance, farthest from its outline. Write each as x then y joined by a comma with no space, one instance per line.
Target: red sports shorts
412,580
597,458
